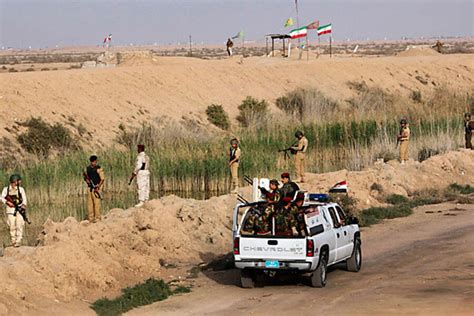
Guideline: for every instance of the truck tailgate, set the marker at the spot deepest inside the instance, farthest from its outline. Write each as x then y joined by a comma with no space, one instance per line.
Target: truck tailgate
272,248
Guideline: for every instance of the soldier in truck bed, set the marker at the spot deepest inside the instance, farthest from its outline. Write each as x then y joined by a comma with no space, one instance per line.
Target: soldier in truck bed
289,188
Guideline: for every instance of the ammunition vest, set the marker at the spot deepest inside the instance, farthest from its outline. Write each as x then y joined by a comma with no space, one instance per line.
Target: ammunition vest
232,154
93,174
17,199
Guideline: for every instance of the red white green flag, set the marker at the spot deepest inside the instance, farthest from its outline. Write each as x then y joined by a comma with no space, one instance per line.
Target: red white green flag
325,29
300,32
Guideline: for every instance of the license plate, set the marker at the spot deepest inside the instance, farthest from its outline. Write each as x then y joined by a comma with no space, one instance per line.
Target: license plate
272,264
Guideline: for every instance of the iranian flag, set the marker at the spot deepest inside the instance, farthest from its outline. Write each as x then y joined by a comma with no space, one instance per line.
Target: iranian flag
297,33
325,29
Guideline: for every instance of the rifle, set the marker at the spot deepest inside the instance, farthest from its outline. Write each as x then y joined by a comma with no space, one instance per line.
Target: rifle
289,149
263,190
399,136
91,185
131,178
19,209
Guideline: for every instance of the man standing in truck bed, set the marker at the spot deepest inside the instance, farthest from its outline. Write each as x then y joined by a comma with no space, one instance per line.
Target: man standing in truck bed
289,188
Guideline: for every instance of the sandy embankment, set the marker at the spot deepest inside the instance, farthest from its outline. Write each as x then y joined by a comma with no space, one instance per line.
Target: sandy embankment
79,262
101,99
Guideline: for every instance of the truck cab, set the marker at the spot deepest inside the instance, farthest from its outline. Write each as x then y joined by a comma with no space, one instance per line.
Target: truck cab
330,237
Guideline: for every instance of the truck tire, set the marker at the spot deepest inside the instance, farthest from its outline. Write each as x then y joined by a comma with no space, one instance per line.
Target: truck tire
355,261
318,278
247,279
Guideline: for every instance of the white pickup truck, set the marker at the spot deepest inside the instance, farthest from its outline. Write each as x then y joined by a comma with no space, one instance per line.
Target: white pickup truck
331,237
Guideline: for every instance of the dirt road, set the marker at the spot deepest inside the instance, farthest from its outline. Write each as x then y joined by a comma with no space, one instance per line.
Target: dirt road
422,264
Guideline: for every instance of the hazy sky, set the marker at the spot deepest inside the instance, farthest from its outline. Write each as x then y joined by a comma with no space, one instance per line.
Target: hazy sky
46,23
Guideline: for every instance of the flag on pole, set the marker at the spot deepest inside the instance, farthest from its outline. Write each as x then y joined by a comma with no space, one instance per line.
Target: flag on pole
325,29
340,187
289,22
313,26
297,33
238,35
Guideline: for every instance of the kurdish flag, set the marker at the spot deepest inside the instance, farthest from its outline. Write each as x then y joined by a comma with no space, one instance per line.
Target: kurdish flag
297,33
325,29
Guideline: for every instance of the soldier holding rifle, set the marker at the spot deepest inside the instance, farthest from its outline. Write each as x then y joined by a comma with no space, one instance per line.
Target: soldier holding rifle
14,197
94,177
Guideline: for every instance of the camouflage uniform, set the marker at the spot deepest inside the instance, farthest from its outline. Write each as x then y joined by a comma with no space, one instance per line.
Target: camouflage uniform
283,222
298,220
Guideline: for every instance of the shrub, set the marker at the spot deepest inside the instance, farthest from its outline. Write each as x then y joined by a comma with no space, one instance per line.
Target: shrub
466,189
150,291
376,187
41,137
426,153
348,203
415,95
253,112
217,116
306,103
374,215
396,199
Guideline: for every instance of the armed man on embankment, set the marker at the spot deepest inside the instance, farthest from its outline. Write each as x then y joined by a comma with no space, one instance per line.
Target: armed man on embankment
142,173
14,197
234,157
95,178
300,155
403,139
468,128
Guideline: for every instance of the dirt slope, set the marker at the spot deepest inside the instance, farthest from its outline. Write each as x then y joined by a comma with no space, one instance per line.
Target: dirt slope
149,87
81,261
418,265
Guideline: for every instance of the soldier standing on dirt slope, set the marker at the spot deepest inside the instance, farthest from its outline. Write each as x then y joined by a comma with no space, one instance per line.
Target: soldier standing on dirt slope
13,195
300,156
94,177
403,138
234,156
143,175
468,127
229,46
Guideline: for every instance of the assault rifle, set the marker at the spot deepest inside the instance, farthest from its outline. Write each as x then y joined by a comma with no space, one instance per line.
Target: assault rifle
399,136
19,208
92,186
289,149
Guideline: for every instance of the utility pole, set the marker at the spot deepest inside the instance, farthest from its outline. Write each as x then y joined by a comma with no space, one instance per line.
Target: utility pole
190,46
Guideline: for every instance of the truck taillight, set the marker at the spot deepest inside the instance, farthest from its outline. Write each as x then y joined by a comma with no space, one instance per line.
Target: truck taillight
309,248
236,246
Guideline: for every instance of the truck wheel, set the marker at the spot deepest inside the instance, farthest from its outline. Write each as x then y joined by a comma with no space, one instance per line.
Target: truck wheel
355,261
318,279
247,279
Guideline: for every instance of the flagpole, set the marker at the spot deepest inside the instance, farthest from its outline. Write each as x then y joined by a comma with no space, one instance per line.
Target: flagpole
319,46
330,46
297,19
307,47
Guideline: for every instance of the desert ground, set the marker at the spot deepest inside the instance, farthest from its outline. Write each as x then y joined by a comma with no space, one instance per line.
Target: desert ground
420,264
144,87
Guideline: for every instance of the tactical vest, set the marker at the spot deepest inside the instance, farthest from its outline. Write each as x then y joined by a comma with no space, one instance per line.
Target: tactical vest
232,154
93,174
17,199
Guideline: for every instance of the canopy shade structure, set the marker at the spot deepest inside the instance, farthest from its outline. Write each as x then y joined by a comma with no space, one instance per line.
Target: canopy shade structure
274,37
